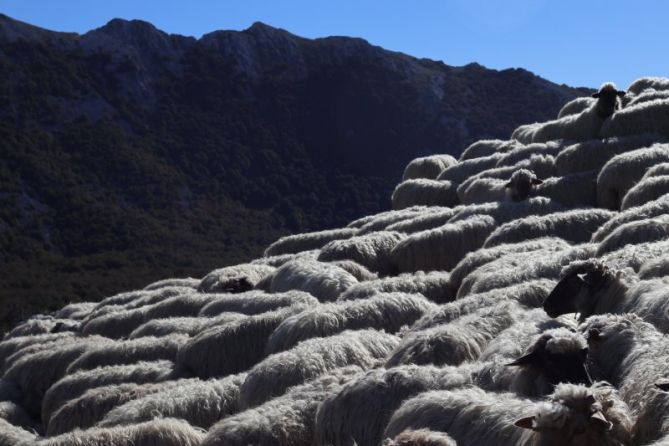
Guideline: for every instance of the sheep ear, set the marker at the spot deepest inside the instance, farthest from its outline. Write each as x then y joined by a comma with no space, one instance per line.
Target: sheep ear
594,334
621,93
529,358
595,95
526,423
662,385
598,419
536,181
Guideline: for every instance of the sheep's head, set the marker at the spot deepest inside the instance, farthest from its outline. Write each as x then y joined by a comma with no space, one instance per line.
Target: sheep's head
577,291
608,100
577,415
520,184
560,355
236,285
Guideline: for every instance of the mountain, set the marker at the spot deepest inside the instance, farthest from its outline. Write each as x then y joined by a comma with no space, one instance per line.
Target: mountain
130,154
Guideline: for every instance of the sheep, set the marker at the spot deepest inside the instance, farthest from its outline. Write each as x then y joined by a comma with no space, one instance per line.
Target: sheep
312,358
632,355
200,403
93,405
386,311
422,222
656,268
358,271
35,373
377,222
232,347
427,167
648,95
653,209
186,282
16,415
256,302
11,435
645,83
420,437
234,279
480,257
442,248
642,117
421,191
593,154
283,421
459,172
74,385
134,299
41,326
506,211
635,256
129,352
524,153
163,432
575,190
530,294
576,106
322,280
601,290
576,226
484,190
520,267
572,415
370,250
623,171
487,147
635,232
292,244
461,340
75,311
181,325
581,126
36,348
278,260
434,285
649,188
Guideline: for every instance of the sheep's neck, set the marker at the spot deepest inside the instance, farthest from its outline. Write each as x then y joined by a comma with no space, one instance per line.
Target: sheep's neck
610,298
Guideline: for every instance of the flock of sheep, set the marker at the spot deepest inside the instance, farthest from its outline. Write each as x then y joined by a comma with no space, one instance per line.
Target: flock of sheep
516,296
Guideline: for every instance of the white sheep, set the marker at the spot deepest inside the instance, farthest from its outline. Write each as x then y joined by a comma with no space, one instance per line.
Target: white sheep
76,311
256,302
525,153
324,281
459,172
623,171
181,325
652,209
355,269
576,226
574,415
11,435
425,221
655,268
287,420
643,117
370,250
312,358
576,106
42,325
200,403
421,191
487,147
574,190
505,211
188,282
428,166
635,256
163,432
135,299
635,232
234,279
648,82
649,188
377,222
581,126
648,95
434,285
386,311
292,244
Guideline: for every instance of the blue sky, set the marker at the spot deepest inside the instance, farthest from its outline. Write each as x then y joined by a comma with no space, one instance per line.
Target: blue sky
577,42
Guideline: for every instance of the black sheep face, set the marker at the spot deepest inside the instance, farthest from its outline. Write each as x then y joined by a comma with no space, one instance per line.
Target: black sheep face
608,100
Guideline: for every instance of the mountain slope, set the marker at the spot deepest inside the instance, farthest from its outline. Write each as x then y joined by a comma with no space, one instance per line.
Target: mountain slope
130,154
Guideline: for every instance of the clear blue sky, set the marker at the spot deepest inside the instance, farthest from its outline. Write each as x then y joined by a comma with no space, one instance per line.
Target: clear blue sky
578,42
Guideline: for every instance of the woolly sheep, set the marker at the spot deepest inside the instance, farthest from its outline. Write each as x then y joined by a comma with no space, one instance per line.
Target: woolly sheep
648,95
461,340
355,269
163,432
480,257
283,421
524,153
653,209
36,348
434,285
648,82
574,415
425,221
656,268
278,260
134,299
442,248
129,352
377,222
187,282
370,250
623,171
75,384
42,326
601,290
312,358
75,311
234,279
459,172
256,302
322,280
643,117
291,244
576,226
181,325
505,211
585,125
647,189
487,147
427,167
485,190
200,403
420,437
16,415
421,191
232,347
576,106
11,435
91,407
595,153
632,355
575,190
635,256
635,232
388,312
